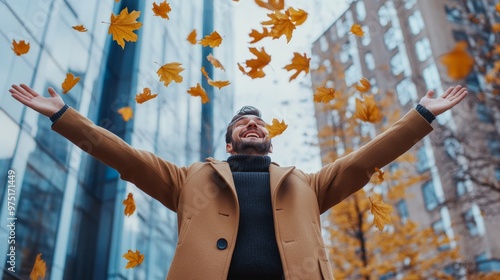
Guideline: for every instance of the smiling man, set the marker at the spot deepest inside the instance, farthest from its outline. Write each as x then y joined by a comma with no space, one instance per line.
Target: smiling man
247,217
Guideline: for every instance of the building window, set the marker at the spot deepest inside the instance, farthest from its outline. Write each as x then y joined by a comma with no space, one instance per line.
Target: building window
402,208
410,3
485,264
474,221
439,230
451,146
345,52
397,64
416,22
393,37
423,48
361,10
386,13
406,91
423,161
366,39
431,77
352,75
484,113
430,198
369,61
373,83
453,14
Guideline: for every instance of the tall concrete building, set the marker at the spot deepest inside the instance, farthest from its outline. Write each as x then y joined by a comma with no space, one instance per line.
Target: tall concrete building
68,205
400,54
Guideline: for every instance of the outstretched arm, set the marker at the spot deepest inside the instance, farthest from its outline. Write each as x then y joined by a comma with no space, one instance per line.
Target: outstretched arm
446,101
46,106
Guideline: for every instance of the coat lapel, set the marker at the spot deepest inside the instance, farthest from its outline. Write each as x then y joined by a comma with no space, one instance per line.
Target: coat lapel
277,175
223,170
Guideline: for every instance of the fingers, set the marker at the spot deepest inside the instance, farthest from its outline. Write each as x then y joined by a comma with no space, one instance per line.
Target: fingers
21,98
447,92
430,93
457,94
21,91
52,92
460,96
29,90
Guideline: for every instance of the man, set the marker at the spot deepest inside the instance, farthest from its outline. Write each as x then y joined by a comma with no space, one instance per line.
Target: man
244,218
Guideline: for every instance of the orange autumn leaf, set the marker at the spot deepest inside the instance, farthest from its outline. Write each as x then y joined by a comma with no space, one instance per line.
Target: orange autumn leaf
380,174
161,10
191,38
495,27
381,213
216,63
123,25
257,64
259,36
129,205
458,61
39,268
357,30
367,110
69,82
497,8
79,28
324,95
199,91
204,72
117,1
218,84
213,40
276,128
297,17
299,63
272,5
20,48
170,72
364,85
134,258
144,96
281,25
126,113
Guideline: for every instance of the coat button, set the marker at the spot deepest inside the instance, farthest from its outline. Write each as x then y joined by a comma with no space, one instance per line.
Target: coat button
222,244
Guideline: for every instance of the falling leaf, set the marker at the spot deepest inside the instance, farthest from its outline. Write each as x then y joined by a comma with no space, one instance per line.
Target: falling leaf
213,40
367,110
80,28
281,25
170,72
276,128
117,1
126,113
134,258
380,174
324,95
161,10
192,37
257,64
21,47
259,36
272,5
218,84
39,268
199,91
69,82
204,72
458,62
297,17
129,205
495,27
144,96
216,63
122,26
497,8
357,30
381,213
364,85
299,63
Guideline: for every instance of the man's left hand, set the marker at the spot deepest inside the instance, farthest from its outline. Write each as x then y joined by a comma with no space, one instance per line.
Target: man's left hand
446,101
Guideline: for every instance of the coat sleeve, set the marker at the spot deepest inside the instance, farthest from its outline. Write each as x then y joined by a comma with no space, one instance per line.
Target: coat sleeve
158,178
343,177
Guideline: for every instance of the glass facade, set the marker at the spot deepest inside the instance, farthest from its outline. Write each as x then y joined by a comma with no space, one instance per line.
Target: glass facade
69,205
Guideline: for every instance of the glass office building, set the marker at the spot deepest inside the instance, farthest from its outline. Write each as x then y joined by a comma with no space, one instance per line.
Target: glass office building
69,205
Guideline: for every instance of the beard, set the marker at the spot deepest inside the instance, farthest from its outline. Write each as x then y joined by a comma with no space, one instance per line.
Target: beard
243,147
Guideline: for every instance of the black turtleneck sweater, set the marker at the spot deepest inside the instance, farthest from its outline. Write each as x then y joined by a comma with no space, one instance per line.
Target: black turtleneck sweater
256,254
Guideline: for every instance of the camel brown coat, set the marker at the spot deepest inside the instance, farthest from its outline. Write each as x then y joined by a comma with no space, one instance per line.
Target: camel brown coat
204,197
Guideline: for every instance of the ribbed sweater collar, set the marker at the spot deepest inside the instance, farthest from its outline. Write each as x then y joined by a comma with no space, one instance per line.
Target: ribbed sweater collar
249,163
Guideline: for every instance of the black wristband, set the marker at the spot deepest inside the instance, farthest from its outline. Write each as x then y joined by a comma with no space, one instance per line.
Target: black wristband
425,113
59,113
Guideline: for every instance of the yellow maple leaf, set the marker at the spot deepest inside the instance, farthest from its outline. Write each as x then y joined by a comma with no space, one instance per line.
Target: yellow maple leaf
281,25
367,110
199,91
69,82
134,258
144,96
39,268
20,48
259,36
276,128
191,38
170,72
324,95
357,30
161,10
297,17
126,113
215,62
381,213
497,8
218,84
257,64
213,40
129,205
380,174
123,25
299,63
204,72
458,61
79,28
495,27
271,4
364,85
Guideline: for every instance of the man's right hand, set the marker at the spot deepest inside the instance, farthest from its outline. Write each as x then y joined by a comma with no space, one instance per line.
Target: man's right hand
46,106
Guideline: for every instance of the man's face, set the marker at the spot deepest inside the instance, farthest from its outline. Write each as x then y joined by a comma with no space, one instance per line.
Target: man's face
250,137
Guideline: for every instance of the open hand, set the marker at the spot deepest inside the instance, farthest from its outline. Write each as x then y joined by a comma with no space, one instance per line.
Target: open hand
46,106
446,101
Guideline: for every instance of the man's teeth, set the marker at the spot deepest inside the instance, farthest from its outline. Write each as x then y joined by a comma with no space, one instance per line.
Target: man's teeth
252,135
